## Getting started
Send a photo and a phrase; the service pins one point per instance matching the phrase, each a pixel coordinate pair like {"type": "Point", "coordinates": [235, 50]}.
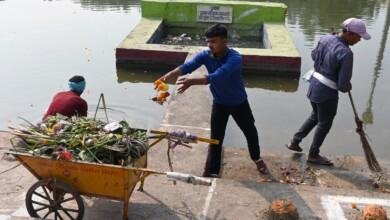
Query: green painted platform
{"type": "Point", "coordinates": [266, 20]}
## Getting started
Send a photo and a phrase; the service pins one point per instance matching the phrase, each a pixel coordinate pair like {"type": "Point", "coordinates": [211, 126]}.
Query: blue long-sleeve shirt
{"type": "Point", "coordinates": [224, 76]}
{"type": "Point", "coordinates": [333, 59]}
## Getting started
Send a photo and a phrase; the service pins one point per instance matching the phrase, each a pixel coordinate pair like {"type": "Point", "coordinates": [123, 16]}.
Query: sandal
{"type": "Point", "coordinates": [294, 147]}
{"type": "Point", "coordinates": [320, 160]}
{"type": "Point", "coordinates": [261, 166]}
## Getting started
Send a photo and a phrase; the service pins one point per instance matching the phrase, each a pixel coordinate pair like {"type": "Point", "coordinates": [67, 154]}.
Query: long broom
{"type": "Point", "coordinates": [370, 156]}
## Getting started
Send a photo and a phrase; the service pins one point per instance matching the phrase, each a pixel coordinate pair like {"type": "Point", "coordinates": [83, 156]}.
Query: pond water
{"type": "Point", "coordinates": [44, 43]}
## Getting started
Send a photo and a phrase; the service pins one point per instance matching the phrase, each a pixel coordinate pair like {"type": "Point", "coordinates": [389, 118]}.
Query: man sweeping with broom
{"type": "Point", "coordinates": [333, 62]}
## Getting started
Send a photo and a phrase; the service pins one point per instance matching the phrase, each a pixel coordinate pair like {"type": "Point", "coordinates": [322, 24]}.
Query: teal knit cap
{"type": "Point", "coordinates": [77, 84]}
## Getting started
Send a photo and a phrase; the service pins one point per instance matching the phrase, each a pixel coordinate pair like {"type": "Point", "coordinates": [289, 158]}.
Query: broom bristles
{"type": "Point", "coordinates": [369, 154]}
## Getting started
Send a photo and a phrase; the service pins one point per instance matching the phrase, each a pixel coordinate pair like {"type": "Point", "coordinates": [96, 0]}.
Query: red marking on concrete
{"type": "Point", "coordinates": [276, 63]}
{"type": "Point", "coordinates": [272, 63]}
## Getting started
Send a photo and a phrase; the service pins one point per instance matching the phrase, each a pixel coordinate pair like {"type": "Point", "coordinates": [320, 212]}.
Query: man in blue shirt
{"type": "Point", "coordinates": [333, 62]}
{"type": "Point", "coordinates": [224, 66]}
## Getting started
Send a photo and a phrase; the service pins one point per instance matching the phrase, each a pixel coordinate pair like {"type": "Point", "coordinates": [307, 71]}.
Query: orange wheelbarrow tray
{"type": "Point", "coordinates": [57, 194]}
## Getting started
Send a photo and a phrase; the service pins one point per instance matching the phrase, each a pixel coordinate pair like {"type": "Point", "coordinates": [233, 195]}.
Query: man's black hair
{"type": "Point", "coordinates": [217, 30]}
{"type": "Point", "coordinates": [76, 79]}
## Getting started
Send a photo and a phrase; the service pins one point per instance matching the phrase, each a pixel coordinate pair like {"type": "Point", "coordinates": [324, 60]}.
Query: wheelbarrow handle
{"type": "Point", "coordinates": [187, 178]}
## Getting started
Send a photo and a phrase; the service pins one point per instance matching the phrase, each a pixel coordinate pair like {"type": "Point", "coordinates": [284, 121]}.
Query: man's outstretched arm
{"type": "Point", "coordinates": [171, 75]}
{"type": "Point", "coordinates": [185, 82]}
{"type": "Point", "coordinates": [186, 68]}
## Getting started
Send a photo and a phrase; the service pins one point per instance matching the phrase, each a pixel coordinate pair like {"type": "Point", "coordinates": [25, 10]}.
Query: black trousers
{"type": "Point", "coordinates": [322, 116]}
{"type": "Point", "coordinates": [242, 115]}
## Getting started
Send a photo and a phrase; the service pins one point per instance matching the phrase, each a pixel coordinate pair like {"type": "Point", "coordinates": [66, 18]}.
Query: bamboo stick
{"type": "Point", "coordinates": [206, 140]}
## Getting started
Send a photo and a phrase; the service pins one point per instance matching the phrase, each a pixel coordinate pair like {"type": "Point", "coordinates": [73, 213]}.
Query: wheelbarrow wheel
{"type": "Point", "coordinates": [54, 199]}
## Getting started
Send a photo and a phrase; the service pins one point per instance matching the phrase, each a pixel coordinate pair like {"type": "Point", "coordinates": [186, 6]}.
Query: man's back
{"type": "Point", "coordinates": [333, 59]}
{"type": "Point", "coordinates": [67, 103]}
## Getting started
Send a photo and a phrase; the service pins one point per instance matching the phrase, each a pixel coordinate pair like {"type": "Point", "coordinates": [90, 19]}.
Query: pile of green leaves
{"type": "Point", "coordinates": [85, 139]}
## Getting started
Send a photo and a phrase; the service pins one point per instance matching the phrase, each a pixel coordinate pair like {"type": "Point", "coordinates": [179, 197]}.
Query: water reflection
{"type": "Point", "coordinates": [318, 16]}
{"type": "Point", "coordinates": [269, 82]}
{"type": "Point", "coordinates": [149, 73]}
{"type": "Point", "coordinates": [104, 5]}
{"type": "Point", "coordinates": [367, 115]}
{"type": "Point", "coordinates": [138, 73]}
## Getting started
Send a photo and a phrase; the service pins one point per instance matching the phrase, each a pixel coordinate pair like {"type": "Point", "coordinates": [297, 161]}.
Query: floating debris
{"type": "Point", "coordinates": [180, 39]}
{"type": "Point", "coordinates": [192, 39]}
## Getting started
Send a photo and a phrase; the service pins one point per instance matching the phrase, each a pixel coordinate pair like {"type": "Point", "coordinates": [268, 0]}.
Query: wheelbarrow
{"type": "Point", "coordinates": [57, 193]}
